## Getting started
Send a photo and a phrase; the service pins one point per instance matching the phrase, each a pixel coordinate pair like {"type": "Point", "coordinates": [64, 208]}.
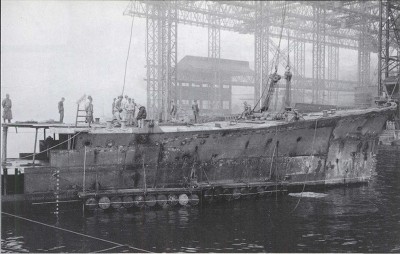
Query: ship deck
{"type": "Point", "coordinates": [22, 164]}
{"type": "Point", "coordinates": [101, 128]}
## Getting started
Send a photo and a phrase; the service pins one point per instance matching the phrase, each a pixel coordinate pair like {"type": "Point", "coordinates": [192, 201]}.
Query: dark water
{"type": "Point", "coordinates": [356, 219]}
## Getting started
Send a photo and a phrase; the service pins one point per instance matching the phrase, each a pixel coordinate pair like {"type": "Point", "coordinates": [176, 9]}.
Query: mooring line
{"type": "Point", "coordinates": [111, 248]}
{"type": "Point", "coordinates": [77, 233]}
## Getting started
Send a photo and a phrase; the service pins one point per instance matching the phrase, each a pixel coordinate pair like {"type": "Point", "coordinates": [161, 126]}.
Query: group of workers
{"type": "Point", "coordinates": [7, 113]}
{"type": "Point", "coordinates": [124, 109]}
{"type": "Point", "coordinates": [88, 108]}
{"type": "Point", "coordinates": [195, 109]}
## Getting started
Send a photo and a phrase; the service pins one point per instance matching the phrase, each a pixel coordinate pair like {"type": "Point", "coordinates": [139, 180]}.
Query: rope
{"type": "Point", "coordinates": [127, 57]}
{"type": "Point", "coordinates": [73, 232]}
{"type": "Point", "coordinates": [84, 178]}
{"type": "Point", "coordinates": [398, 79]}
{"type": "Point", "coordinates": [54, 146]}
{"type": "Point", "coordinates": [312, 160]}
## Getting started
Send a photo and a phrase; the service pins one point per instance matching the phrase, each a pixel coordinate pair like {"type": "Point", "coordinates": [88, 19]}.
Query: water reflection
{"type": "Point", "coordinates": [357, 219]}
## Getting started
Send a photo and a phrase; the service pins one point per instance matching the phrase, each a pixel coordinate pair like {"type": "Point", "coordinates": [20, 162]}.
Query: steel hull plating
{"type": "Point", "coordinates": [330, 150]}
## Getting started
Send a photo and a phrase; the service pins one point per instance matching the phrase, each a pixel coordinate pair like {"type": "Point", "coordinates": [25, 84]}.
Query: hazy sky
{"type": "Point", "coordinates": [54, 49]}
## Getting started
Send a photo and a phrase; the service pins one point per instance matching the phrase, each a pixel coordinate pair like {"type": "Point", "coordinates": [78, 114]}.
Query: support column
{"type": "Point", "coordinates": [4, 160]}
{"type": "Point", "coordinates": [298, 66]}
{"type": "Point", "coordinates": [152, 59]}
{"type": "Point", "coordinates": [261, 53]}
{"type": "Point", "coordinates": [4, 147]}
{"type": "Point", "coordinates": [161, 57]}
{"type": "Point", "coordinates": [172, 58]}
{"type": "Point", "coordinates": [389, 62]}
{"type": "Point", "coordinates": [214, 53]}
{"type": "Point", "coordinates": [364, 56]}
{"type": "Point", "coordinates": [318, 52]}
{"type": "Point", "coordinates": [333, 72]}
{"type": "Point", "coordinates": [34, 148]}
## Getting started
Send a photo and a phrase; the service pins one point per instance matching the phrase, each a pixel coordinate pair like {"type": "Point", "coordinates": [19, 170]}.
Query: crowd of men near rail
{"type": "Point", "coordinates": [123, 109]}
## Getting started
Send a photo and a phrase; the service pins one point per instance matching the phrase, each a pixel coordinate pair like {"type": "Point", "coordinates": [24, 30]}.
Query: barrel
{"type": "Point", "coordinates": [162, 200]}
{"type": "Point", "coordinates": [139, 201]}
{"type": "Point", "coordinates": [150, 200]}
{"type": "Point", "coordinates": [172, 200]}
{"type": "Point", "coordinates": [183, 199]}
{"type": "Point", "coordinates": [194, 199]}
{"type": "Point", "coordinates": [127, 201]}
{"type": "Point", "coordinates": [116, 202]}
{"type": "Point", "coordinates": [104, 203]}
{"type": "Point", "coordinates": [91, 203]}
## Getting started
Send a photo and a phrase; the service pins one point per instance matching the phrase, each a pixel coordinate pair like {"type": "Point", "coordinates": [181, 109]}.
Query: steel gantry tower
{"type": "Point", "coordinates": [261, 51]}
{"type": "Point", "coordinates": [326, 26]}
{"type": "Point", "coordinates": [389, 46]}
{"type": "Point", "coordinates": [332, 73]}
{"type": "Point", "coordinates": [318, 53]}
{"type": "Point", "coordinates": [161, 56]}
{"type": "Point", "coordinates": [214, 53]}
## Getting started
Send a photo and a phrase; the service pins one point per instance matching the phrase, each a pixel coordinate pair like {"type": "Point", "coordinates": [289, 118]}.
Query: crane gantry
{"type": "Point", "coordinates": [327, 25]}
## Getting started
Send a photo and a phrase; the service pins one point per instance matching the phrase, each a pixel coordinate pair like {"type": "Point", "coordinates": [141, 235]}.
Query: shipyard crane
{"type": "Point", "coordinates": [274, 79]}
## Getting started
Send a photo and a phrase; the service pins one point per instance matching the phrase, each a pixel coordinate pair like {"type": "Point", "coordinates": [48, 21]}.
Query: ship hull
{"type": "Point", "coordinates": [323, 151]}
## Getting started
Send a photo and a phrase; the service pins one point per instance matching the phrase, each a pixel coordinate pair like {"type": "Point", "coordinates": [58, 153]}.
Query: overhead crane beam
{"type": "Point", "coordinates": [241, 19]}
{"type": "Point", "coordinates": [322, 28]}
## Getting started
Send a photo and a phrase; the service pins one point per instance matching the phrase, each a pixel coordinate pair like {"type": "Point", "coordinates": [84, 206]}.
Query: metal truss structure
{"type": "Point", "coordinates": [389, 46]}
{"type": "Point", "coordinates": [318, 53]}
{"type": "Point", "coordinates": [261, 51]}
{"type": "Point", "coordinates": [214, 52]}
{"type": "Point", "coordinates": [327, 25]}
{"type": "Point", "coordinates": [161, 56]}
{"type": "Point", "coordinates": [333, 73]}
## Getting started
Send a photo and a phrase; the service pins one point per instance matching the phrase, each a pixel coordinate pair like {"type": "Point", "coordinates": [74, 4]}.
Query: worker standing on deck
{"type": "Point", "coordinates": [7, 104]}
{"type": "Point", "coordinates": [118, 103]}
{"type": "Point", "coordinates": [130, 111]}
{"type": "Point", "coordinates": [118, 110]}
{"type": "Point", "coordinates": [89, 110]}
{"type": "Point", "coordinates": [245, 110]}
{"type": "Point", "coordinates": [196, 110]}
{"type": "Point", "coordinates": [134, 112]}
{"type": "Point", "coordinates": [113, 106]}
{"type": "Point", "coordinates": [141, 116]}
{"type": "Point", "coordinates": [61, 109]}
{"type": "Point", "coordinates": [124, 107]}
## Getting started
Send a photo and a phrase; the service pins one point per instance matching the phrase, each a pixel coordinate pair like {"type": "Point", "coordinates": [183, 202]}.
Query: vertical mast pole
{"type": "Point", "coordinates": [34, 148]}
{"type": "Point", "coordinates": [380, 49]}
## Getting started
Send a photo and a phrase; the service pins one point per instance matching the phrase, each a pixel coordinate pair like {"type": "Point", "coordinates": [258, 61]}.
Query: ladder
{"type": "Point", "coordinates": [80, 113]}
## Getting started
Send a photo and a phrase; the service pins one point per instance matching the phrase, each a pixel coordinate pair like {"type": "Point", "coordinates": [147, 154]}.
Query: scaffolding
{"type": "Point", "coordinates": [327, 25]}
{"type": "Point", "coordinates": [389, 46]}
